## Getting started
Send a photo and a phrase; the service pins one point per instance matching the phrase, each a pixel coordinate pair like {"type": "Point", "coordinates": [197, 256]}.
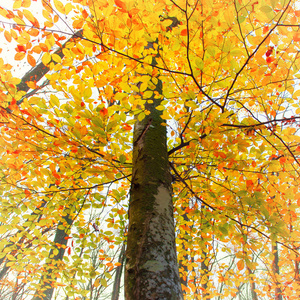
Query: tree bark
{"type": "Point", "coordinates": [59, 243]}
{"type": "Point", "coordinates": [252, 285]}
{"type": "Point", "coordinates": [118, 276]}
{"type": "Point", "coordinates": [151, 261]}
{"type": "Point", "coordinates": [275, 269]}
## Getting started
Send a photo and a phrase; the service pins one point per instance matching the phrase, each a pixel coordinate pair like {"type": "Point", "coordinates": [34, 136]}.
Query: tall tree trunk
{"type": "Point", "coordinates": [151, 261]}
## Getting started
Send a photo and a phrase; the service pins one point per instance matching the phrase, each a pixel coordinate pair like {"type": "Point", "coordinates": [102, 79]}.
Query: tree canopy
{"type": "Point", "coordinates": [85, 89]}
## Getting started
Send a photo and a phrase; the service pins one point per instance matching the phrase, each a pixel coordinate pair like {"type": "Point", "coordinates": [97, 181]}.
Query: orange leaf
{"type": "Point", "coordinates": [296, 37]}
{"type": "Point", "coordinates": [121, 4]}
{"type": "Point", "coordinates": [126, 127]}
{"type": "Point", "coordinates": [240, 265]}
{"type": "Point", "coordinates": [33, 32]}
{"type": "Point", "coordinates": [249, 183]}
{"type": "Point", "coordinates": [183, 32]}
{"type": "Point", "coordinates": [266, 29]}
{"type": "Point", "coordinates": [85, 14]}
{"type": "Point", "coordinates": [77, 24]}
{"type": "Point", "coordinates": [19, 56]}
{"type": "Point", "coordinates": [282, 160]}
{"type": "Point", "coordinates": [7, 36]}
{"type": "Point", "coordinates": [31, 60]}
{"type": "Point", "coordinates": [103, 111]}
{"type": "Point", "coordinates": [37, 49]}
{"type": "Point", "coordinates": [44, 47]}
{"type": "Point", "coordinates": [21, 48]}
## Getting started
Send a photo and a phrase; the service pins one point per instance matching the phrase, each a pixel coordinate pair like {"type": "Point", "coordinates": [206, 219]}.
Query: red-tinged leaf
{"type": "Point", "coordinates": [103, 111]}
{"type": "Point", "coordinates": [10, 14]}
{"type": "Point", "coordinates": [69, 250]}
{"type": "Point", "coordinates": [85, 14]}
{"type": "Point", "coordinates": [282, 160]}
{"type": "Point", "coordinates": [269, 52]}
{"type": "Point", "coordinates": [31, 60]}
{"type": "Point", "coordinates": [184, 32]}
{"type": "Point", "coordinates": [266, 29]}
{"type": "Point", "coordinates": [126, 127]}
{"type": "Point", "coordinates": [185, 227]}
{"type": "Point", "coordinates": [27, 193]}
{"type": "Point", "coordinates": [121, 4]}
{"type": "Point", "coordinates": [249, 183]}
{"type": "Point", "coordinates": [21, 48]}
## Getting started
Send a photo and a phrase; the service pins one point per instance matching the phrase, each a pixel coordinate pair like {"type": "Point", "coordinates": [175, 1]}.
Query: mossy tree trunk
{"type": "Point", "coordinates": [151, 260]}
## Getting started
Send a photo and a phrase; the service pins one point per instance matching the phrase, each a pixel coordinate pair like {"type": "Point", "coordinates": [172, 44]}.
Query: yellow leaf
{"type": "Point", "coordinates": [28, 15]}
{"type": "Point", "coordinates": [17, 4]}
{"type": "Point", "coordinates": [147, 94]}
{"type": "Point", "coordinates": [296, 94]}
{"type": "Point", "coordinates": [68, 8]}
{"type": "Point", "coordinates": [56, 58]}
{"type": "Point", "coordinates": [46, 59]}
{"type": "Point", "coordinates": [103, 282]}
{"type": "Point", "coordinates": [97, 283]}
{"type": "Point", "coordinates": [141, 116]}
{"type": "Point", "coordinates": [59, 6]}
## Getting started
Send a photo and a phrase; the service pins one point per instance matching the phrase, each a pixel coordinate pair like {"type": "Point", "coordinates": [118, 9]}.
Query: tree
{"type": "Point", "coordinates": [190, 108]}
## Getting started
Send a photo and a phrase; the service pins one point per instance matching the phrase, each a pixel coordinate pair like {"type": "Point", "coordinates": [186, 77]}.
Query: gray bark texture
{"type": "Point", "coordinates": [151, 262]}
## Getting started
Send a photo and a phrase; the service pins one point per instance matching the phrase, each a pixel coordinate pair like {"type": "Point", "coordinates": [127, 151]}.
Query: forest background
{"type": "Point", "coordinates": [187, 108]}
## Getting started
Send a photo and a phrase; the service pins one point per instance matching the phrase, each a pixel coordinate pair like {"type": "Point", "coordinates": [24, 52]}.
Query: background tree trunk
{"type": "Point", "coordinates": [55, 257]}
{"type": "Point", "coordinates": [275, 267]}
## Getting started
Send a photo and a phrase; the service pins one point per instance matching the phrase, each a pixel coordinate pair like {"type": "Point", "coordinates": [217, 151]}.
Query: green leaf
{"type": "Point", "coordinates": [122, 158]}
